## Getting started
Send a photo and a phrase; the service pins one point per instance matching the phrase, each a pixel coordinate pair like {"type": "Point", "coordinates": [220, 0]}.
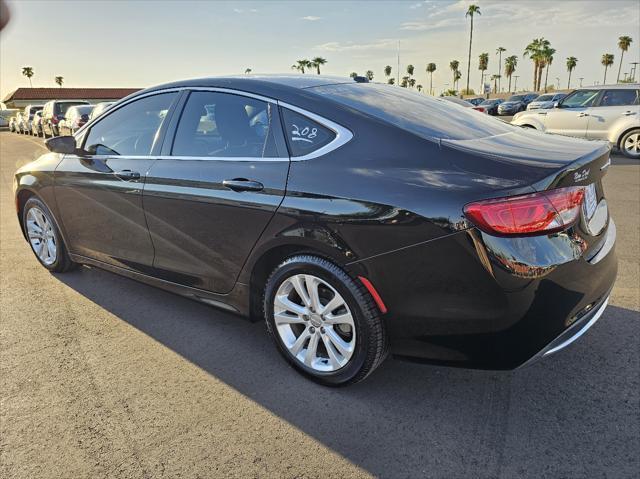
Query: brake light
{"type": "Point", "coordinates": [55, 119]}
{"type": "Point", "coordinates": [539, 213]}
{"type": "Point", "coordinates": [479, 108]}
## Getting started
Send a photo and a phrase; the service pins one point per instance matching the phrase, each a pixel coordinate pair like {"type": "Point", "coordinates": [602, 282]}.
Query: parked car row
{"type": "Point", "coordinates": [56, 117]}
{"type": "Point", "coordinates": [609, 112]}
{"type": "Point", "coordinates": [516, 103]}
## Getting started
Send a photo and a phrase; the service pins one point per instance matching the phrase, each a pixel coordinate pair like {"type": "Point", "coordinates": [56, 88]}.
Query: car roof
{"type": "Point", "coordinates": [294, 81]}
{"type": "Point", "coordinates": [618, 86]}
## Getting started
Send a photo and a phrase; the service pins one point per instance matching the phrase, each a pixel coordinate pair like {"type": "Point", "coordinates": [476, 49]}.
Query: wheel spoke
{"type": "Point", "coordinates": [344, 318]}
{"type": "Point", "coordinates": [299, 342]}
{"type": "Point", "coordinates": [312, 349]}
{"type": "Point", "coordinates": [312, 289]}
{"type": "Point", "coordinates": [284, 318]}
{"type": "Point", "coordinates": [342, 347]}
{"type": "Point", "coordinates": [296, 281]}
{"type": "Point", "coordinates": [288, 305]}
{"type": "Point", "coordinates": [331, 351]}
{"type": "Point", "coordinates": [51, 249]}
{"type": "Point", "coordinates": [43, 253]}
{"type": "Point", "coordinates": [333, 304]}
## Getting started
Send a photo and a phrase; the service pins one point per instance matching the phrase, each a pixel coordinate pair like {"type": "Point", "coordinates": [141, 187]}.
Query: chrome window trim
{"type": "Point", "coordinates": [343, 135]}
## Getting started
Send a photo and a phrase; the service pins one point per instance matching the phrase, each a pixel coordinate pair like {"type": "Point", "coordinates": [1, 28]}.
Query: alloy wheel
{"type": "Point", "coordinates": [632, 144]}
{"type": "Point", "coordinates": [42, 236]}
{"type": "Point", "coordinates": [314, 323]}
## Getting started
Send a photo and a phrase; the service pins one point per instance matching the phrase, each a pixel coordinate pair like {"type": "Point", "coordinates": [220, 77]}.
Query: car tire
{"type": "Point", "coordinates": [630, 144]}
{"type": "Point", "coordinates": [40, 227]}
{"type": "Point", "coordinates": [349, 341]}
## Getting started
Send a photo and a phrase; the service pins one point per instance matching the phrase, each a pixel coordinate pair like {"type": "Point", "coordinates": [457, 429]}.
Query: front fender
{"type": "Point", "coordinates": [622, 126]}
{"type": "Point", "coordinates": [526, 119]}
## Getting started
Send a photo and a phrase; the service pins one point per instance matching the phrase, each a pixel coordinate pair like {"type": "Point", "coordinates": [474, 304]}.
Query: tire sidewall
{"type": "Point", "coordinates": [60, 249]}
{"type": "Point", "coordinates": [298, 266]}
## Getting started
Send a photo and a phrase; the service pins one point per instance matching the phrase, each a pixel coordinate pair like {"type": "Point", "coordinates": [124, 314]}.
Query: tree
{"type": "Point", "coordinates": [419, 87]}
{"type": "Point", "coordinates": [59, 81]}
{"type": "Point", "coordinates": [387, 71]}
{"type": "Point", "coordinates": [353, 74]}
{"type": "Point", "coordinates": [431, 67]}
{"type": "Point", "coordinates": [28, 72]}
{"type": "Point", "coordinates": [623, 44]}
{"type": "Point", "coordinates": [535, 52]}
{"type": "Point", "coordinates": [453, 65]}
{"type": "Point", "coordinates": [456, 79]}
{"type": "Point", "coordinates": [317, 62]}
{"type": "Point", "coordinates": [483, 64]}
{"type": "Point", "coordinates": [571, 64]}
{"type": "Point", "coordinates": [247, 71]}
{"type": "Point", "coordinates": [405, 82]}
{"type": "Point", "coordinates": [471, 11]}
{"type": "Point", "coordinates": [607, 61]}
{"type": "Point", "coordinates": [410, 70]}
{"type": "Point", "coordinates": [391, 81]}
{"type": "Point", "coordinates": [301, 65]}
{"type": "Point", "coordinates": [369, 75]}
{"type": "Point", "coordinates": [499, 53]}
{"type": "Point", "coordinates": [495, 82]}
{"type": "Point", "coordinates": [412, 82]}
{"type": "Point", "coordinates": [510, 64]}
{"type": "Point", "coordinates": [547, 54]}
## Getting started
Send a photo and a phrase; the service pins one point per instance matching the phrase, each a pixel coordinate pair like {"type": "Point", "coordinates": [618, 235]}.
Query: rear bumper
{"type": "Point", "coordinates": [470, 300]}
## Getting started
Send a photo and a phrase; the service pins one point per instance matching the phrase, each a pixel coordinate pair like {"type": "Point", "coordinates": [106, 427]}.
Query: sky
{"type": "Point", "coordinates": [140, 43]}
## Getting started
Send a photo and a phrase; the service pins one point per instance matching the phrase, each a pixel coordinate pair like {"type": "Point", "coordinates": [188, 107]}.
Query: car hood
{"type": "Point", "coordinates": [525, 156]}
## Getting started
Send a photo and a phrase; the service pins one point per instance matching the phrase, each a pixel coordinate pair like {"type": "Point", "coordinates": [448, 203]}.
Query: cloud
{"type": "Point", "coordinates": [311, 18]}
{"type": "Point", "coordinates": [250, 10]}
{"type": "Point", "coordinates": [383, 44]}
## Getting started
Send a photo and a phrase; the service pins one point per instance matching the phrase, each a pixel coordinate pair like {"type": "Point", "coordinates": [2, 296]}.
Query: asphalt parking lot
{"type": "Point", "coordinates": [101, 376]}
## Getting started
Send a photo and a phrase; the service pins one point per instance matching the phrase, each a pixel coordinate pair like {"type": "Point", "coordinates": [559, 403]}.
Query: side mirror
{"type": "Point", "coordinates": [556, 104]}
{"type": "Point", "coordinates": [61, 144]}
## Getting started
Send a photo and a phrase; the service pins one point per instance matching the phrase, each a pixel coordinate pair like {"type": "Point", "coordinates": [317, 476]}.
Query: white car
{"type": "Point", "coordinates": [545, 101]}
{"type": "Point", "coordinates": [608, 112]}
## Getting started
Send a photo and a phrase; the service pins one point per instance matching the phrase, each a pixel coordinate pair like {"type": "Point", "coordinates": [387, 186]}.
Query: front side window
{"type": "Point", "coordinates": [130, 130]}
{"type": "Point", "coordinates": [225, 125]}
{"type": "Point", "coordinates": [619, 98]}
{"type": "Point", "coordinates": [303, 134]}
{"type": "Point", "coordinates": [580, 99]}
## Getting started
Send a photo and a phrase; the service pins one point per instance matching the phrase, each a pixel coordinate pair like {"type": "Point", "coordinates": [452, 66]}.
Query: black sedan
{"type": "Point", "coordinates": [356, 219]}
{"type": "Point", "coordinates": [516, 103]}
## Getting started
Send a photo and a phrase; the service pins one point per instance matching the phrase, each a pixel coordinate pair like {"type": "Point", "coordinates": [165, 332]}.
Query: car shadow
{"type": "Point", "coordinates": [571, 415]}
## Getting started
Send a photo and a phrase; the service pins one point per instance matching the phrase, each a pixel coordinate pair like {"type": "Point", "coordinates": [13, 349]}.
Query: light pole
{"type": "Point", "coordinates": [581, 78]}
{"type": "Point", "coordinates": [515, 85]}
{"type": "Point", "coordinates": [558, 80]}
{"type": "Point", "coordinates": [633, 71]}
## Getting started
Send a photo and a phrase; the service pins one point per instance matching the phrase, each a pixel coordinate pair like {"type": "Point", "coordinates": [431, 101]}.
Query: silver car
{"type": "Point", "coordinates": [606, 112]}
{"type": "Point", "coordinates": [548, 100]}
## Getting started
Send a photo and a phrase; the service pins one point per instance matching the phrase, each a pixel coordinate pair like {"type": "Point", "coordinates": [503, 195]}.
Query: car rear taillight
{"type": "Point", "coordinates": [56, 118]}
{"type": "Point", "coordinates": [479, 108]}
{"type": "Point", "coordinates": [539, 213]}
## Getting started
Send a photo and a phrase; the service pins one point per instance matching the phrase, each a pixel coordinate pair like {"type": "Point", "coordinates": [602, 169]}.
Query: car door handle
{"type": "Point", "coordinates": [580, 115]}
{"type": "Point", "coordinates": [242, 184]}
{"type": "Point", "coordinates": [542, 113]}
{"type": "Point", "coordinates": [629, 113]}
{"type": "Point", "coordinates": [127, 175]}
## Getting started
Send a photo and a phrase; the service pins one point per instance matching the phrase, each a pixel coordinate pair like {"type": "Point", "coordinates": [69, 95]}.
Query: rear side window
{"type": "Point", "coordinates": [619, 98]}
{"type": "Point", "coordinates": [304, 135]}
{"type": "Point", "coordinates": [425, 116]}
{"type": "Point", "coordinates": [131, 129]}
{"type": "Point", "coordinates": [225, 125]}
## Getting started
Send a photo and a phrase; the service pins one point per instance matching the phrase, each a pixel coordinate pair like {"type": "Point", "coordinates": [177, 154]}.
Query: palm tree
{"type": "Point", "coordinates": [247, 71]}
{"type": "Point", "coordinates": [571, 64]}
{"type": "Point", "coordinates": [454, 64]}
{"type": "Point", "coordinates": [495, 82]}
{"type": "Point", "coordinates": [369, 75]}
{"type": "Point", "coordinates": [405, 82]}
{"type": "Point", "coordinates": [59, 81]}
{"type": "Point", "coordinates": [391, 81]}
{"type": "Point", "coordinates": [410, 69]}
{"type": "Point", "coordinates": [419, 87]}
{"type": "Point", "coordinates": [412, 82]}
{"type": "Point", "coordinates": [547, 53]}
{"type": "Point", "coordinates": [471, 11]}
{"type": "Point", "coordinates": [317, 62]}
{"type": "Point", "coordinates": [387, 71]}
{"type": "Point", "coordinates": [623, 44]}
{"type": "Point", "coordinates": [535, 51]}
{"type": "Point", "coordinates": [510, 64]}
{"type": "Point", "coordinates": [28, 72]}
{"type": "Point", "coordinates": [431, 67]}
{"type": "Point", "coordinates": [456, 79]}
{"type": "Point", "coordinates": [301, 65]}
{"type": "Point", "coordinates": [353, 74]}
{"type": "Point", "coordinates": [483, 64]}
{"type": "Point", "coordinates": [607, 61]}
{"type": "Point", "coordinates": [499, 53]}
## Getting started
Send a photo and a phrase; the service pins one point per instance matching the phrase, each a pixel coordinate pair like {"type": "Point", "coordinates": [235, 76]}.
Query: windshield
{"type": "Point", "coordinates": [425, 116]}
{"type": "Point", "coordinates": [489, 102]}
{"type": "Point", "coordinates": [544, 98]}
{"type": "Point", "coordinates": [516, 98]}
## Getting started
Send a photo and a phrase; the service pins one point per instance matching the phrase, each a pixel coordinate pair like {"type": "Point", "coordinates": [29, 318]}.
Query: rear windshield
{"type": "Point", "coordinates": [516, 98]}
{"type": "Point", "coordinates": [423, 115]}
{"type": "Point", "coordinates": [84, 110]}
{"type": "Point", "coordinates": [61, 108]}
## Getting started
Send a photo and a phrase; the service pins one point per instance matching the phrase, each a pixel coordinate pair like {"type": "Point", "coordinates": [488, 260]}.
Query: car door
{"type": "Point", "coordinates": [571, 117]}
{"type": "Point", "coordinates": [614, 106]}
{"type": "Point", "coordinates": [99, 190]}
{"type": "Point", "coordinates": [216, 187]}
